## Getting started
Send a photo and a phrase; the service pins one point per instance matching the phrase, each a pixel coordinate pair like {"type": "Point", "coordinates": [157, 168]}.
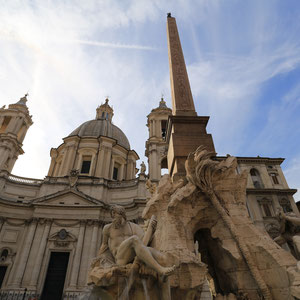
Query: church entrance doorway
{"type": "Point", "coordinates": [56, 275]}
{"type": "Point", "coordinates": [2, 274]}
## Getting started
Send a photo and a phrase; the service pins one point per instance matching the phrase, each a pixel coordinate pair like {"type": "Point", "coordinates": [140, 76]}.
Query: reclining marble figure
{"type": "Point", "coordinates": [124, 240]}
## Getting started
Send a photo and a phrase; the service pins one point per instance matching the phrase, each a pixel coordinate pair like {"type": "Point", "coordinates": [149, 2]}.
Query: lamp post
{"type": "Point", "coordinates": [24, 294]}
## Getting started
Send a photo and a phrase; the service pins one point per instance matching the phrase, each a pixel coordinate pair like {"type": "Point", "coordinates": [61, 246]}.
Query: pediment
{"type": "Point", "coordinates": [67, 198]}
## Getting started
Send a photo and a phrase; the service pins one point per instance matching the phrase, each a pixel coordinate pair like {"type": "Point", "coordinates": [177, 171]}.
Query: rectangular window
{"type": "Point", "coordinates": [5, 124]}
{"type": "Point", "coordinates": [86, 165]}
{"type": "Point", "coordinates": [115, 174]}
{"type": "Point", "coordinates": [274, 178]}
{"type": "Point", "coordinates": [267, 210]}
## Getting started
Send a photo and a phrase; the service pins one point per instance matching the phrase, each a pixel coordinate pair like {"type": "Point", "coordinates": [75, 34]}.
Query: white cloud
{"type": "Point", "coordinates": [71, 54]}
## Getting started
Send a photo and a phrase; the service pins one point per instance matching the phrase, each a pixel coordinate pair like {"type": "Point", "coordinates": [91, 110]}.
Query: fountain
{"type": "Point", "coordinates": [186, 222]}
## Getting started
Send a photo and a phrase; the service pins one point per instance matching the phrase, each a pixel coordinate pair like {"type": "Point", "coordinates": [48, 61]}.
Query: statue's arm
{"type": "Point", "coordinates": [150, 230]}
{"type": "Point", "coordinates": [293, 220]}
{"type": "Point", "coordinates": [105, 236]}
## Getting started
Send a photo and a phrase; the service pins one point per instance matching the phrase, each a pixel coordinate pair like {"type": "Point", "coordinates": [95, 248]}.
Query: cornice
{"type": "Point", "coordinates": [261, 160]}
{"type": "Point", "coordinates": [270, 191]}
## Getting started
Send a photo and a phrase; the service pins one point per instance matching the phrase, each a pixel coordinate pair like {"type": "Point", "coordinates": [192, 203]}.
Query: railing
{"type": "Point", "coordinates": [24, 179]}
{"type": "Point", "coordinates": [125, 183]}
{"type": "Point", "coordinates": [18, 295]}
{"type": "Point", "coordinates": [72, 295]}
{"type": "Point", "coordinates": [32, 295]}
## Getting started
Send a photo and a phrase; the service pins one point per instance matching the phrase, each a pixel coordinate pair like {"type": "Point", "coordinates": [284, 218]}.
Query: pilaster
{"type": "Point", "coordinates": [40, 255]}
{"type": "Point", "coordinates": [19, 271]}
{"type": "Point", "coordinates": [77, 256]}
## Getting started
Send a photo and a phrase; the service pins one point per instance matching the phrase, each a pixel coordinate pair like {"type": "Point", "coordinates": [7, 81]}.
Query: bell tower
{"type": "Point", "coordinates": [156, 146]}
{"type": "Point", "coordinates": [186, 131]}
{"type": "Point", "coordinates": [14, 123]}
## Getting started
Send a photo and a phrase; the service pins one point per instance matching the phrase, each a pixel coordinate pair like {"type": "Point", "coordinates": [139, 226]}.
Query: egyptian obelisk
{"type": "Point", "coordinates": [186, 130]}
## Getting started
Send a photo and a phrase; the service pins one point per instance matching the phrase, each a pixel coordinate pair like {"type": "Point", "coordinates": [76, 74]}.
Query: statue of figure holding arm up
{"type": "Point", "coordinates": [289, 233]}
{"type": "Point", "coordinates": [124, 239]}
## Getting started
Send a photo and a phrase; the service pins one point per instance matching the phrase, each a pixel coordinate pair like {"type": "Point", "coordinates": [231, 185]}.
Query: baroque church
{"type": "Point", "coordinates": [51, 228]}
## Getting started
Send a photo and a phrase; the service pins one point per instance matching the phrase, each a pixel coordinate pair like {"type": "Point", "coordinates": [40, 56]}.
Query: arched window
{"type": "Point", "coordinates": [164, 166]}
{"type": "Point", "coordinates": [4, 255]}
{"type": "Point", "coordinates": [5, 124]}
{"type": "Point", "coordinates": [163, 128]}
{"type": "Point", "coordinates": [256, 178]}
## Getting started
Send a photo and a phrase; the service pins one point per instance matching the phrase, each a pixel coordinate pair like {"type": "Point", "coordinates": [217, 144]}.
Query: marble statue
{"type": "Point", "coordinates": [143, 168]}
{"type": "Point", "coordinates": [151, 187]}
{"type": "Point", "coordinates": [124, 252]}
{"type": "Point", "coordinates": [289, 233]}
{"type": "Point", "coordinates": [124, 241]}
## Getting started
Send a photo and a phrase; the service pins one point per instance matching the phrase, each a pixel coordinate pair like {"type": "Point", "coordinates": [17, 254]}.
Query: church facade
{"type": "Point", "coordinates": [50, 229]}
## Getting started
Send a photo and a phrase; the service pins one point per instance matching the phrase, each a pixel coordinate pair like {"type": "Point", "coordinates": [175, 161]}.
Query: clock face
{"type": "Point", "coordinates": [63, 234]}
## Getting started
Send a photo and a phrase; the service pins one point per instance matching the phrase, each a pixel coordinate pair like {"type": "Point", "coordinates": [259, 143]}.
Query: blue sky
{"type": "Point", "coordinates": [243, 60]}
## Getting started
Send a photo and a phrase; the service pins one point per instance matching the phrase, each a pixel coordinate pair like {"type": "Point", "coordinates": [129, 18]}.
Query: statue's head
{"type": "Point", "coordinates": [118, 210]}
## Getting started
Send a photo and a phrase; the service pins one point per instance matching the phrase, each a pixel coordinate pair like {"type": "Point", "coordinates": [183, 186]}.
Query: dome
{"type": "Point", "coordinates": [102, 127]}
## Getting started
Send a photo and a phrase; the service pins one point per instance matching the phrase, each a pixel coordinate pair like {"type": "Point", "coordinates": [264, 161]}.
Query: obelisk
{"type": "Point", "coordinates": [186, 131]}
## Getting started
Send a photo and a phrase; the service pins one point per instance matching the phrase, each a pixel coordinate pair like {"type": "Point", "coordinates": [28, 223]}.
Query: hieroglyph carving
{"type": "Point", "coordinates": [180, 79]}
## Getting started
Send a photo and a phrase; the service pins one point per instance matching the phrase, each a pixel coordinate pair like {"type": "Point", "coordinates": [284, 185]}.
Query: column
{"type": "Point", "coordinates": [151, 128]}
{"type": "Point", "coordinates": [1, 121]}
{"type": "Point", "coordinates": [121, 176]}
{"type": "Point", "coordinates": [61, 168]}
{"type": "Point", "coordinates": [159, 129]}
{"type": "Point", "coordinates": [2, 220]}
{"type": "Point", "coordinates": [107, 162]}
{"type": "Point", "coordinates": [99, 167]}
{"type": "Point", "coordinates": [77, 256]}
{"type": "Point", "coordinates": [11, 125]}
{"type": "Point", "coordinates": [65, 162]}
{"type": "Point", "coordinates": [110, 176]}
{"type": "Point", "coordinates": [24, 254]}
{"type": "Point", "coordinates": [91, 252]}
{"type": "Point", "coordinates": [158, 132]}
{"type": "Point", "coordinates": [18, 125]}
{"type": "Point", "coordinates": [93, 247]}
{"type": "Point", "coordinates": [52, 164]}
{"type": "Point", "coordinates": [129, 173]}
{"type": "Point", "coordinates": [99, 240]}
{"type": "Point", "coordinates": [20, 133]}
{"type": "Point", "coordinates": [4, 156]}
{"type": "Point", "coordinates": [40, 255]}
{"type": "Point", "coordinates": [22, 136]}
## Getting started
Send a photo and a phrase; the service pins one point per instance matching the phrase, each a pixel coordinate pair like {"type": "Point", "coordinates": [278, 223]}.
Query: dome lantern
{"type": "Point", "coordinates": [104, 111]}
